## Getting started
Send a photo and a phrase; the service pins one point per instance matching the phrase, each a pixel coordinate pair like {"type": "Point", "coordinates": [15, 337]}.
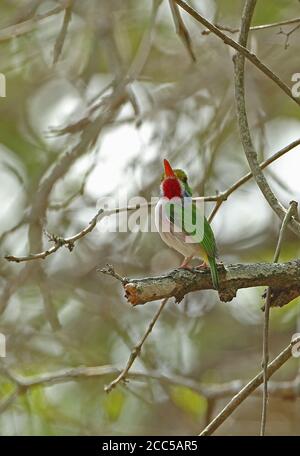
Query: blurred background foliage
{"type": "Point", "coordinates": [61, 312]}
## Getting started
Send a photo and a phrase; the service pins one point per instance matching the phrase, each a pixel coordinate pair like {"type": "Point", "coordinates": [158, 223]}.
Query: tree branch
{"type": "Point", "coordinates": [288, 34]}
{"type": "Point", "coordinates": [255, 27]}
{"type": "Point", "coordinates": [219, 198]}
{"type": "Point", "coordinates": [282, 277]}
{"type": "Point", "coordinates": [58, 242]}
{"type": "Point", "coordinates": [223, 196]}
{"type": "Point", "coordinates": [136, 350]}
{"type": "Point", "coordinates": [63, 32]}
{"type": "Point", "coordinates": [285, 390]}
{"type": "Point", "coordinates": [239, 67]}
{"type": "Point", "coordinates": [27, 26]}
{"type": "Point", "coordinates": [240, 48]}
{"type": "Point", "coordinates": [181, 29]}
{"type": "Point", "coordinates": [248, 389]}
{"type": "Point", "coordinates": [292, 211]}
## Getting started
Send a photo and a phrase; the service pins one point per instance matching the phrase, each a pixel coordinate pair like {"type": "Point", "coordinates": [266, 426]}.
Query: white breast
{"type": "Point", "coordinates": [175, 240]}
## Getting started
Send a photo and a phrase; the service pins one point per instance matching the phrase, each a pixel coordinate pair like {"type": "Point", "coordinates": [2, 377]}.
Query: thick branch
{"type": "Point", "coordinates": [283, 278]}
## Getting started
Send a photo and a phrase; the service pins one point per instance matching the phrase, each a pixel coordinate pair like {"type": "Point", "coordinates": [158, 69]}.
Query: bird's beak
{"type": "Point", "coordinates": [168, 169]}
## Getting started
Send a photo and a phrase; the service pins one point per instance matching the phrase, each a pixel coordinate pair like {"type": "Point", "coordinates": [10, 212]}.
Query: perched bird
{"type": "Point", "coordinates": [191, 236]}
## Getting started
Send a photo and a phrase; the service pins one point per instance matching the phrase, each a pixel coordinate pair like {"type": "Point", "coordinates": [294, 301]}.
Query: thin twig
{"type": "Point", "coordinates": [248, 389]}
{"type": "Point", "coordinates": [111, 106]}
{"type": "Point", "coordinates": [181, 29]}
{"type": "Point", "coordinates": [63, 32]}
{"type": "Point", "coordinates": [250, 152]}
{"type": "Point", "coordinates": [223, 196]}
{"type": "Point", "coordinates": [239, 66]}
{"type": "Point", "coordinates": [240, 48]}
{"type": "Point", "coordinates": [56, 206]}
{"type": "Point", "coordinates": [218, 198]}
{"type": "Point", "coordinates": [217, 206]}
{"type": "Point", "coordinates": [7, 401]}
{"type": "Point", "coordinates": [291, 212]}
{"type": "Point", "coordinates": [13, 229]}
{"type": "Point", "coordinates": [213, 392]}
{"type": "Point", "coordinates": [110, 270]}
{"type": "Point", "coordinates": [58, 242]}
{"type": "Point", "coordinates": [27, 26]}
{"type": "Point", "coordinates": [255, 27]}
{"type": "Point", "coordinates": [145, 45]}
{"type": "Point", "coordinates": [136, 350]}
{"type": "Point", "coordinates": [287, 35]}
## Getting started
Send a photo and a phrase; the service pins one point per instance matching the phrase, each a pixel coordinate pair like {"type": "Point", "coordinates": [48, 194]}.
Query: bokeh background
{"type": "Point", "coordinates": [60, 312]}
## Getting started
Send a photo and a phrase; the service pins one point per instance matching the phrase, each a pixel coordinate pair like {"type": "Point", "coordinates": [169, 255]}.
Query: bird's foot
{"type": "Point", "coordinates": [186, 266]}
{"type": "Point", "coordinates": [202, 266]}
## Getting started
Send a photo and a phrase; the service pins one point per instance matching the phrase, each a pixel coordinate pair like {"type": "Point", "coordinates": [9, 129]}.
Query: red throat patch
{"type": "Point", "coordinates": [171, 188]}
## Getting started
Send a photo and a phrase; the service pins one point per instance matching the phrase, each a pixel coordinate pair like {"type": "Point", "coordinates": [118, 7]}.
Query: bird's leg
{"type": "Point", "coordinates": [184, 264]}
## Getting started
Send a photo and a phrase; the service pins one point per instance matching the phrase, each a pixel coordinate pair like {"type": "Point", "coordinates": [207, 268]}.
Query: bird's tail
{"type": "Point", "coordinates": [214, 272]}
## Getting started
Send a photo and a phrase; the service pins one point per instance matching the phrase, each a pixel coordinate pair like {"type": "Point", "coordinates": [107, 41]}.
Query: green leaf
{"type": "Point", "coordinates": [113, 404]}
{"type": "Point", "coordinates": [188, 400]}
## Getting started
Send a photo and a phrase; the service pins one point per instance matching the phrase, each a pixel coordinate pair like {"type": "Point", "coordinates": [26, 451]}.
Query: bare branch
{"type": "Point", "coordinates": [219, 198]}
{"type": "Point", "coordinates": [292, 211]}
{"type": "Point", "coordinates": [282, 277]}
{"type": "Point", "coordinates": [63, 32]}
{"type": "Point", "coordinates": [181, 29]}
{"type": "Point", "coordinates": [248, 389]}
{"type": "Point", "coordinates": [58, 242]}
{"type": "Point", "coordinates": [18, 225]}
{"type": "Point", "coordinates": [288, 34]}
{"type": "Point", "coordinates": [223, 196]}
{"type": "Point", "coordinates": [284, 390]}
{"type": "Point", "coordinates": [27, 26]}
{"type": "Point", "coordinates": [239, 66]}
{"type": "Point", "coordinates": [56, 206]}
{"type": "Point", "coordinates": [240, 48]}
{"type": "Point", "coordinates": [136, 350]}
{"type": "Point", "coordinates": [255, 27]}
{"type": "Point", "coordinates": [12, 286]}
{"type": "Point", "coordinates": [143, 51]}
{"type": "Point", "coordinates": [8, 400]}
{"type": "Point", "coordinates": [70, 241]}
{"type": "Point", "coordinates": [110, 270]}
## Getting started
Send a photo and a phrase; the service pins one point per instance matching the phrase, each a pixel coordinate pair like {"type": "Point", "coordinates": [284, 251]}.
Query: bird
{"type": "Point", "coordinates": [191, 235]}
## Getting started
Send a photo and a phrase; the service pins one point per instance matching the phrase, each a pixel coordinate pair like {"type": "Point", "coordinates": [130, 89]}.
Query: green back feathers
{"type": "Point", "coordinates": [181, 175]}
{"type": "Point", "coordinates": [208, 241]}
